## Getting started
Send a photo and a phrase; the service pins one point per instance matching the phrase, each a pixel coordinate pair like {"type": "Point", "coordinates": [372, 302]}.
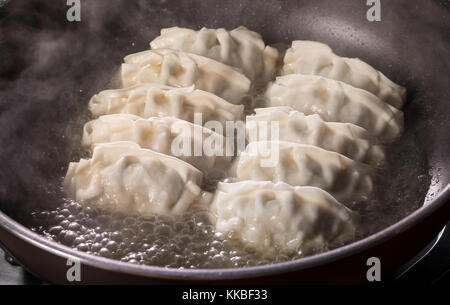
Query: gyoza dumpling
{"type": "Point", "coordinates": [305, 165]}
{"type": "Point", "coordinates": [167, 135]}
{"type": "Point", "coordinates": [348, 139]}
{"type": "Point", "coordinates": [240, 48]}
{"type": "Point", "coordinates": [311, 57]}
{"type": "Point", "coordinates": [149, 100]}
{"type": "Point", "coordinates": [122, 177]}
{"type": "Point", "coordinates": [336, 101]}
{"type": "Point", "coordinates": [176, 68]}
{"type": "Point", "coordinates": [274, 218]}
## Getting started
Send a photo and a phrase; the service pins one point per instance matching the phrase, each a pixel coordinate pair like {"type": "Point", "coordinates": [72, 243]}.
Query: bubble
{"type": "Point", "coordinates": [65, 223]}
{"type": "Point", "coordinates": [74, 226]}
{"type": "Point", "coordinates": [65, 212]}
{"type": "Point", "coordinates": [146, 227]}
{"type": "Point", "coordinates": [83, 247]}
{"type": "Point", "coordinates": [96, 247]}
{"type": "Point", "coordinates": [79, 240]}
{"type": "Point", "coordinates": [104, 252]}
{"type": "Point", "coordinates": [116, 236]}
{"type": "Point", "coordinates": [163, 230]}
{"type": "Point", "coordinates": [69, 237]}
{"type": "Point", "coordinates": [55, 230]}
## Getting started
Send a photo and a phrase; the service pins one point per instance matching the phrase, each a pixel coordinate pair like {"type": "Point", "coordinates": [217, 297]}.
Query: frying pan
{"type": "Point", "coordinates": [50, 67]}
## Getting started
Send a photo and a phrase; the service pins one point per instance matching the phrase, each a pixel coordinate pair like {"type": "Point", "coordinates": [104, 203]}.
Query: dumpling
{"type": "Point", "coordinates": [122, 177]}
{"type": "Point", "coordinates": [336, 101]}
{"type": "Point", "coordinates": [305, 165]}
{"type": "Point", "coordinates": [176, 68]}
{"type": "Point", "coordinates": [148, 100]}
{"type": "Point", "coordinates": [240, 48]}
{"type": "Point", "coordinates": [274, 218]}
{"type": "Point", "coordinates": [194, 144]}
{"type": "Point", "coordinates": [310, 57]}
{"type": "Point", "coordinates": [348, 139]}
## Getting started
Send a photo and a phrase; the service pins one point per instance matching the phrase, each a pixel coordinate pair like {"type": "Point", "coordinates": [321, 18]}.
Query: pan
{"type": "Point", "coordinates": [50, 66]}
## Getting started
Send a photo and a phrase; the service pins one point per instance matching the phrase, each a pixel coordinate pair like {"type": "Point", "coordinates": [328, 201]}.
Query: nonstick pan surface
{"type": "Point", "coordinates": [50, 67]}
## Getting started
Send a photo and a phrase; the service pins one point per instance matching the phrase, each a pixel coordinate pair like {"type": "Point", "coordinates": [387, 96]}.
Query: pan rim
{"type": "Point", "coordinates": [55, 248]}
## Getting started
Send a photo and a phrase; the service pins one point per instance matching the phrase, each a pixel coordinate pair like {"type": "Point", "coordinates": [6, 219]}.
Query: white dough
{"type": "Point", "coordinates": [240, 48]}
{"type": "Point", "coordinates": [167, 135]}
{"type": "Point", "coordinates": [348, 139]}
{"type": "Point", "coordinates": [122, 177]}
{"type": "Point", "coordinates": [280, 218]}
{"type": "Point", "coordinates": [336, 101]}
{"type": "Point", "coordinates": [310, 57]}
{"type": "Point", "coordinates": [180, 69]}
{"type": "Point", "coordinates": [305, 165]}
{"type": "Point", "coordinates": [149, 100]}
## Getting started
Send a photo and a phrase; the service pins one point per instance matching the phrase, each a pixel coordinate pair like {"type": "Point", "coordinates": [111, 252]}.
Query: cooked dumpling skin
{"type": "Point", "coordinates": [336, 101]}
{"type": "Point", "coordinates": [149, 100]}
{"type": "Point", "coordinates": [122, 177]}
{"type": "Point", "coordinates": [240, 48]}
{"type": "Point", "coordinates": [180, 69]}
{"type": "Point", "coordinates": [159, 134]}
{"type": "Point", "coordinates": [348, 139]}
{"type": "Point", "coordinates": [277, 217]}
{"type": "Point", "coordinates": [305, 165]}
{"type": "Point", "coordinates": [311, 57]}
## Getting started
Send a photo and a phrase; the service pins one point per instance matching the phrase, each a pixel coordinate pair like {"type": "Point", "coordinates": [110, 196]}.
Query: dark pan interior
{"type": "Point", "coordinates": [50, 67]}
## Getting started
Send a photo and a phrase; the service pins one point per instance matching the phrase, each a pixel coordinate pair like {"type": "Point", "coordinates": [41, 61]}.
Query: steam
{"type": "Point", "coordinates": [50, 68]}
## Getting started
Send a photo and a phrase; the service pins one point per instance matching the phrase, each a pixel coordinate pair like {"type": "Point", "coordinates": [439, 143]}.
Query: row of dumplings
{"type": "Point", "coordinates": [334, 115]}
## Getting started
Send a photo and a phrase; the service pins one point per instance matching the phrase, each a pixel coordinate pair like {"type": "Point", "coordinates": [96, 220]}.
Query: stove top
{"type": "Point", "coordinates": [431, 266]}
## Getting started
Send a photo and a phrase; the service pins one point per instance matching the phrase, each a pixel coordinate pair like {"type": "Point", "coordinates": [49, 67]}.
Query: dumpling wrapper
{"type": "Point", "coordinates": [153, 100]}
{"type": "Point", "coordinates": [166, 135]}
{"type": "Point", "coordinates": [180, 69]}
{"type": "Point", "coordinates": [240, 48]}
{"type": "Point", "coordinates": [278, 218]}
{"type": "Point", "coordinates": [348, 139]}
{"type": "Point", "coordinates": [122, 177]}
{"type": "Point", "coordinates": [305, 165]}
{"type": "Point", "coordinates": [311, 57]}
{"type": "Point", "coordinates": [336, 101]}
